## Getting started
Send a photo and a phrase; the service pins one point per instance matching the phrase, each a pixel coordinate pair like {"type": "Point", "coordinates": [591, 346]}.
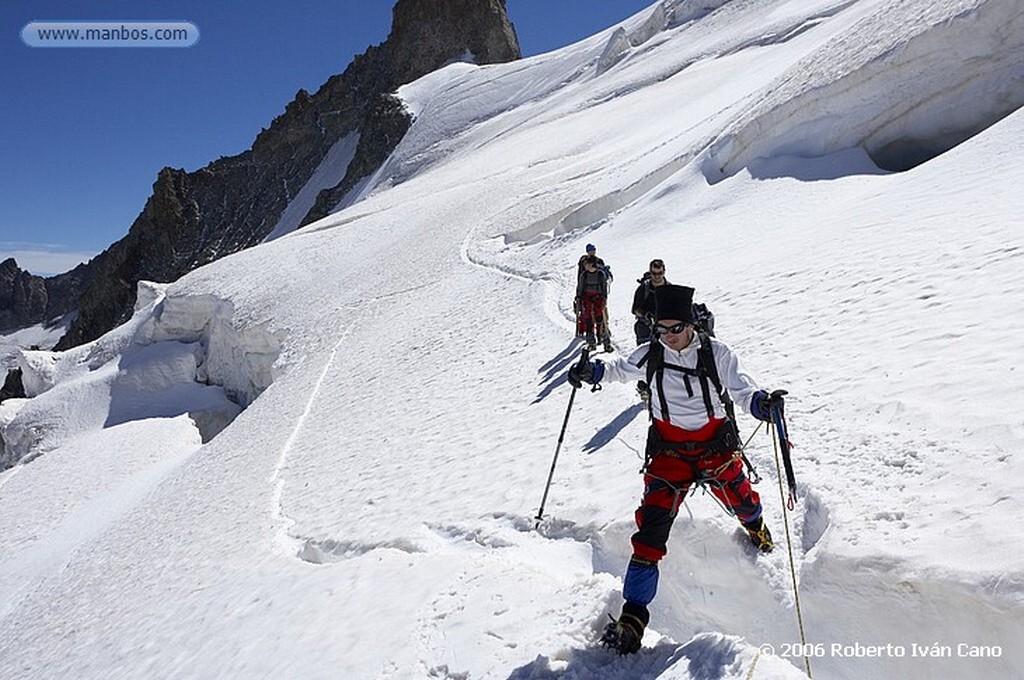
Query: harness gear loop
{"type": "Point", "coordinates": [724, 440]}
{"type": "Point", "coordinates": [702, 479]}
{"type": "Point", "coordinates": [678, 493]}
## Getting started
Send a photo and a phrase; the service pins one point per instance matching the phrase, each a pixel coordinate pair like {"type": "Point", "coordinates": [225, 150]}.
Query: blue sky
{"type": "Point", "coordinates": [85, 130]}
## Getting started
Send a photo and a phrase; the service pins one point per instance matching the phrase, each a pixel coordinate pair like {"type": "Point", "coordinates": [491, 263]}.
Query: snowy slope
{"type": "Point", "coordinates": [370, 513]}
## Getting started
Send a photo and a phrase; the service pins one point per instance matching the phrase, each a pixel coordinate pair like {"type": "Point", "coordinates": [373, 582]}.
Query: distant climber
{"type": "Point", "coordinates": [592, 301]}
{"type": "Point", "coordinates": [591, 252]}
{"type": "Point", "coordinates": [643, 311]}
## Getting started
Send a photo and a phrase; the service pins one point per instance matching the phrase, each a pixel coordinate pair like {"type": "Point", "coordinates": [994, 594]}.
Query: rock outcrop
{"type": "Point", "coordinates": [22, 296]}
{"type": "Point", "coordinates": [27, 299]}
{"type": "Point", "coordinates": [13, 387]}
{"type": "Point", "coordinates": [233, 203]}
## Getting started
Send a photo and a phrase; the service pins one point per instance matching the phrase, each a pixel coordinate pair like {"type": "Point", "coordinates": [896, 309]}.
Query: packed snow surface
{"type": "Point", "coordinates": [370, 513]}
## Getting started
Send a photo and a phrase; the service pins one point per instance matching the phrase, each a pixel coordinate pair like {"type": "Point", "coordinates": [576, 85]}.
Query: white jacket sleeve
{"type": "Point", "coordinates": [625, 369]}
{"type": "Point", "coordinates": [734, 378]}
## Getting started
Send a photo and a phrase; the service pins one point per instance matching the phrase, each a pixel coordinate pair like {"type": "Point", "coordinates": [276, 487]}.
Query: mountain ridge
{"type": "Point", "coordinates": [234, 202]}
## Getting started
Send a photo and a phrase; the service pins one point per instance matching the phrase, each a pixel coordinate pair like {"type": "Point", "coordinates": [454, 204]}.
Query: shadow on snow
{"type": "Point", "coordinates": [554, 370]}
{"type": "Point", "coordinates": [612, 429]}
{"type": "Point", "coordinates": [709, 656]}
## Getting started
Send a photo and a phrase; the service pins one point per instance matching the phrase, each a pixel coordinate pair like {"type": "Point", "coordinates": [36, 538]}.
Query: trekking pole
{"type": "Point", "coordinates": [561, 436]}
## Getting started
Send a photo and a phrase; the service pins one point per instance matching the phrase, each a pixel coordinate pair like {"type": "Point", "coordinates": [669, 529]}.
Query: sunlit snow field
{"type": "Point", "coordinates": [370, 512]}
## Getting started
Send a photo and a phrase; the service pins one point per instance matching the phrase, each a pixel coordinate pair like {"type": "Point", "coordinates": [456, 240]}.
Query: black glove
{"type": "Point", "coordinates": [586, 372]}
{"type": "Point", "coordinates": [763, 404]}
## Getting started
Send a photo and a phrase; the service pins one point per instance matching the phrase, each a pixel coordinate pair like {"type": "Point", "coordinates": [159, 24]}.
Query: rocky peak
{"type": "Point", "coordinates": [427, 33]}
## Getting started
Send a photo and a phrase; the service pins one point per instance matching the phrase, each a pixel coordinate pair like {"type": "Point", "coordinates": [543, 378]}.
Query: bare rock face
{"type": "Point", "coordinates": [22, 296]}
{"type": "Point", "coordinates": [27, 299]}
{"type": "Point", "coordinates": [13, 388]}
{"type": "Point", "coordinates": [233, 203]}
{"type": "Point", "coordinates": [427, 33]}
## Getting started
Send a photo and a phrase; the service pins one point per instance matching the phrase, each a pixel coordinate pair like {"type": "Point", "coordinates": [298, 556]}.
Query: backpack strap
{"type": "Point", "coordinates": [706, 358]}
{"type": "Point", "coordinates": [707, 355]}
{"type": "Point", "coordinates": [705, 372]}
{"type": "Point", "coordinates": [655, 361]}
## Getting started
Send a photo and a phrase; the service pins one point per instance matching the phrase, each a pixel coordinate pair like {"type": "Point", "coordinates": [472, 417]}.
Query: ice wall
{"type": "Point", "coordinates": [177, 355]}
{"type": "Point", "coordinates": [909, 81]}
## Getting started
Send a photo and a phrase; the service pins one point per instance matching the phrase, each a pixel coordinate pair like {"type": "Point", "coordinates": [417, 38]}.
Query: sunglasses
{"type": "Point", "coordinates": [674, 330]}
{"type": "Point", "coordinates": [657, 274]}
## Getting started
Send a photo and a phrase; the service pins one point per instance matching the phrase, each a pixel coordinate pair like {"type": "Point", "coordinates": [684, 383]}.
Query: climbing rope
{"type": "Point", "coordinates": [753, 664]}
{"type": "Point", "coordinates": [789, 545]}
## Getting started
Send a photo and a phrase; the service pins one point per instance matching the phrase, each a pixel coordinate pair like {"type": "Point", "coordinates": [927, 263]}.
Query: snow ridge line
{"type": "Point", "coordinates": [552, 291]}
{"type": "Point", "coordinates": [290, 544]}
{"type": "Point", "coordinates": [494, 269]}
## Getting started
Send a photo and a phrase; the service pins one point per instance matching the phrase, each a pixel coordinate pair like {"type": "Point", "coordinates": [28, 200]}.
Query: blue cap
{"type": "Point", "coordinates": [591, 246]}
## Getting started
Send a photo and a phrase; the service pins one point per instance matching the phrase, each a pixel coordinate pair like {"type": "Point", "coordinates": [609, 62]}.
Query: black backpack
{"type": "Point", "coordinates": [703, 319]}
